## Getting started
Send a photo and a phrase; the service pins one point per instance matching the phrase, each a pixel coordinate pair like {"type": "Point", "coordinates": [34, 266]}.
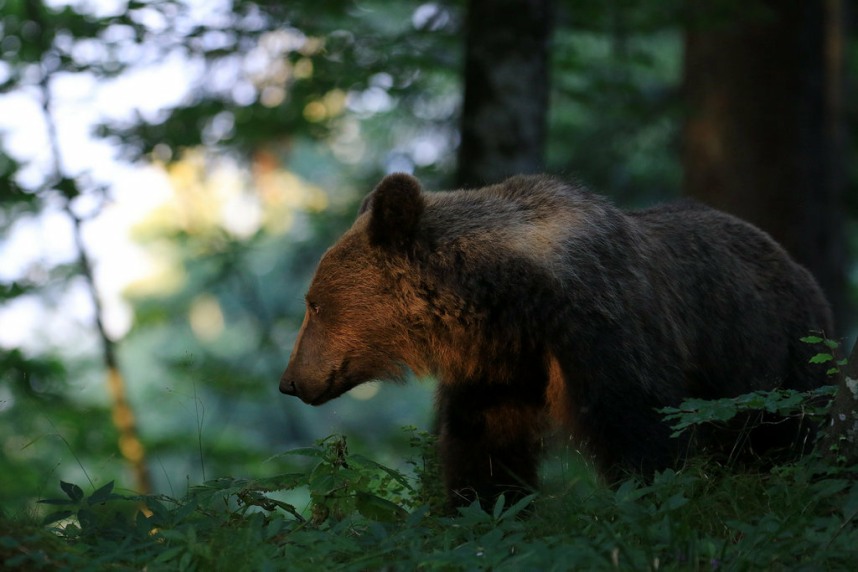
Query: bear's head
{"type": "Point", "coordinates": [355, 328]}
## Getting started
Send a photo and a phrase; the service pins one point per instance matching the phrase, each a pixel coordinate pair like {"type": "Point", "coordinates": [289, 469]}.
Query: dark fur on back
{"type": "Point", "coordinates": [534, 299]}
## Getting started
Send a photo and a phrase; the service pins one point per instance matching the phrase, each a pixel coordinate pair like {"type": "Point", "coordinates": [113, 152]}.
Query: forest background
{"type": "Point", "coordinates": [171, 171]}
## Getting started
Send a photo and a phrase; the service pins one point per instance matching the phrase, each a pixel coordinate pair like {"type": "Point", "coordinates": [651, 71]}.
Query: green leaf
{"type": "Point", "coordinates": [629, 491]}
{"type": "Point", "coordinates": [676, 501]}
{"type": "Point", "coordinates": [515, 509]}
{"type": "Point", "coordinates": [376, 508]}
{"type": "Point", "coordinates": [306, 452]}
{"type": "Point", "coordinates": [498, 508]}
{"type": "Point", "coordinates": [160, 513]}
{"type": "Point", "coordinates": [101, 495]}
{"type": "Point", "coordinates": [87, 518]}
{"type": "Point", "coordinates": [185, 511]}
{"type": "Point", "coordinates": [321, 482]}
{"type": "Point", "coordinates": [169, 554]}
{"type": "Point", "coordinates": [396, 475]}
{"type": "Point", "coordinates": [849, 506]}
{"type": "Point", "coordinates": [56, 515]}
{"type": "Point", "coordinates": [59, 502]}
{"type": "Point", "coordinates": [811, 339]}
{"type": "Point", "coordinates": [74, 492]}
{"type": "Point", "coordinates": [821, 358]}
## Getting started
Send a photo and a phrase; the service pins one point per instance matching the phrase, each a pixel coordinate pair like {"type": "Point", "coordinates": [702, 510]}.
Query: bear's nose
{"type": "Point", "coordinates": [288, 387]}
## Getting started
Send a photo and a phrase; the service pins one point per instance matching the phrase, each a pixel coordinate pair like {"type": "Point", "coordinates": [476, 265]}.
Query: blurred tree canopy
{"type": "Point", "coordinates": [270, 120]}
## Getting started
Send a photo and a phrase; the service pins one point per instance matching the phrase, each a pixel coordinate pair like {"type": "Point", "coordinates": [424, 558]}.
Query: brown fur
{"type": "Point", "coordinates": [534, 300]}
{"type": "Point", "coordinates": [557, 396]}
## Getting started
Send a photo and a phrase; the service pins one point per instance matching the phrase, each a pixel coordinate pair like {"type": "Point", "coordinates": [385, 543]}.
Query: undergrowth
{"type": "Point", "coordinates": [343, 511]}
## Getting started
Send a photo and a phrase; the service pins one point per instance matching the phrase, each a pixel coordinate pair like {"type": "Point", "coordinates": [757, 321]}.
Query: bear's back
{"type": "Point", "coordinates": [658, 275]}
{"type": "Point", "coordinates": [523, 198]}
{"type": "Point", "coordinates": [526, 217]}
{"type": "Point", "coordinates": [744, 300]}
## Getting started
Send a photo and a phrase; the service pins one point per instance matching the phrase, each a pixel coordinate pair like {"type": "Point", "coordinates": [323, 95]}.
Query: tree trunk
{"type": "Point", "coordinates": [130, 446]}
{"type": "Point", "coordinates": [504, 117]}
{"type": "Point", "coordinates": [763, 137]}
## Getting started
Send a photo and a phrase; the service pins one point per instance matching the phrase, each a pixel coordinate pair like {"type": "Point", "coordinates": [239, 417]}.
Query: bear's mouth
{"type": "Point", "coordinates": [328, 393]}
{"type": "Point", "coordinates": [337, 383]}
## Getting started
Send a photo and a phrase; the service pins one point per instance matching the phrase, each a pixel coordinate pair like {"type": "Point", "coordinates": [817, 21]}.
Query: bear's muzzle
{"type": "Point", "coordinates": [288, 387]}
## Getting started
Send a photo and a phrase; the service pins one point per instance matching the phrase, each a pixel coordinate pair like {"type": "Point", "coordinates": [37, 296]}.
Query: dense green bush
{"type": "Point", "coordinates": [338, 510]}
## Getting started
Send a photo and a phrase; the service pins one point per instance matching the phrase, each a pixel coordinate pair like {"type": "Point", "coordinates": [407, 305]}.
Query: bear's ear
{"type": "Point", "coordinates": [395, 207]}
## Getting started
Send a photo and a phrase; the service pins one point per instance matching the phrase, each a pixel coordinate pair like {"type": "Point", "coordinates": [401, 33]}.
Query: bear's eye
{"type": "Point", "coordinates": [313, 307]}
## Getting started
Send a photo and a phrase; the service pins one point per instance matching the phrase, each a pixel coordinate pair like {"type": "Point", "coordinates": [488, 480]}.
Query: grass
{"type": "Point", "coordinates": [702, 518]}
{"type": "Point", "coordinates": [359, 515]}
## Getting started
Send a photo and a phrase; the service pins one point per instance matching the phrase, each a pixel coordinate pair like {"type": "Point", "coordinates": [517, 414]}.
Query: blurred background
{"type": "Point", "coordinates": [171, 171]}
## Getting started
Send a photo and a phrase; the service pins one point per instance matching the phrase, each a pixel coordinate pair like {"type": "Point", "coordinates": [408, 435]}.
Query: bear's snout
{"type": "Point", "coordinates": [288, 387]}
{"type": "Point", "coordinates": [303, 389]}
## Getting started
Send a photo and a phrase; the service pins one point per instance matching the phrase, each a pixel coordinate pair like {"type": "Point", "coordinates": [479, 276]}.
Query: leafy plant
{"type": "Point", "coordinates": [360, 515]}
{"type": "Point", "coordinates": [782, 402]}
{"type": "Point", "coordinates": [78, 505]}
{"type": "Point", "coordinates": [826, 356]}
{"type": "Point", "coordinates": [756, 408]}
{"type": "Point", "coordinates": [427, 470]}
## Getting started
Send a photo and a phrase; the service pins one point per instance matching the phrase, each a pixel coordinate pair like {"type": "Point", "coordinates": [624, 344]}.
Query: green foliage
{"type": "Point", "coordinates": [360, 515]}
{"type": "Point", "coordinates": [616, 109]}
{"type": "Point", "coordinates": [782, 402]}
{"type": "Point", "coordinates": [427, 470]}
{"type": "Point", "coordinates": [827, 355]}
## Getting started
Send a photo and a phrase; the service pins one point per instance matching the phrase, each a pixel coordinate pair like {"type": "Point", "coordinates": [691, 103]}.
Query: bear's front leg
{"type": "Point", "coordinates": [489, 442]}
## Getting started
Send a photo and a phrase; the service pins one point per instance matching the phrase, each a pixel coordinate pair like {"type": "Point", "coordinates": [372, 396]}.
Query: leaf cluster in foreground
{"type": "Point", "coordinates": [346, 512]}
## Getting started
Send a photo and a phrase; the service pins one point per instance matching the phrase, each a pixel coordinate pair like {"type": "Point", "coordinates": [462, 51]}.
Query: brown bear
{"type": "Point", "coordinates": [535, 300]}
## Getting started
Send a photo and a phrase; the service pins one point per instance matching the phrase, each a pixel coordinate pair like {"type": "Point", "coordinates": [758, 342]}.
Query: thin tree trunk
{"type": "Point", "coordinates": [504, 117]}
{"type": "Point", "coordinates": [130, 446]}
{"type": "Point", "coordinates": [763, 137]}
